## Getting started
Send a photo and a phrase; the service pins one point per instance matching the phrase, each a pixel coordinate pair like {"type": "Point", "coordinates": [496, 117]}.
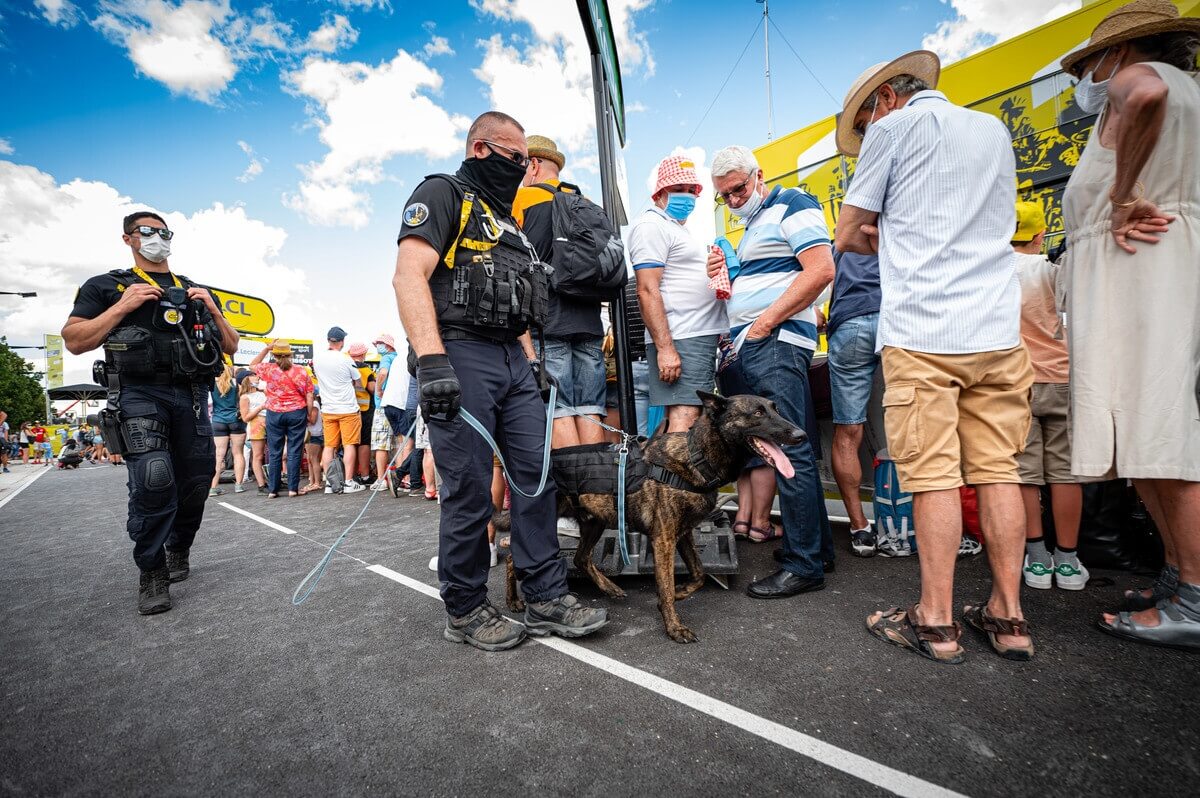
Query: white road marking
{"type": "Point", "coordinates": [41, 471]}
{"type": "Point", "coordinates": [887, 778]}
{"type": "Point", "coordinates": [870, 771]}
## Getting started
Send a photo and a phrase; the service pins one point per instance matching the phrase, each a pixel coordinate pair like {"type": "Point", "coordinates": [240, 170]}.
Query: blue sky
{"type": "Point", "coordinates": [283, 138]}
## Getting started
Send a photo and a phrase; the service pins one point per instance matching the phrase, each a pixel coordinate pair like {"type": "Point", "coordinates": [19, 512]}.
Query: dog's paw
{"type": "Point", "coordinates": [615, 593]}
{"type": "Point", "coordinates": [682, 634]}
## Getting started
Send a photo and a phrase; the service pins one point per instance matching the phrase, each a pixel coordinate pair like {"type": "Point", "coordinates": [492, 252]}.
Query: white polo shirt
{"type": "Point", "coordinates": [335, 379]}
{"type": "Point", "coordinates": [943, 179]}
{"type": "Point", "coordinates": [656, 241]}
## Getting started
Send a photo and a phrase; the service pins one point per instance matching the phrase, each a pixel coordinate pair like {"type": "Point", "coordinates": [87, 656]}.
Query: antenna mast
{"type": "Point", "coordinates": [767, 60]}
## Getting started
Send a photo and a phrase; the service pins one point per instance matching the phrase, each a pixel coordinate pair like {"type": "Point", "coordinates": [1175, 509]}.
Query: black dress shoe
{"type": "Point", "coordinates": [783, 584]}
{"type": "Point", "coordinates": [827, 566]}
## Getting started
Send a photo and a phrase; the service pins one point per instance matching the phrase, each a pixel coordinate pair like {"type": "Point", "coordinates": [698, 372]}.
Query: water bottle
{"type": "Point", "coordinates": [731, 259]}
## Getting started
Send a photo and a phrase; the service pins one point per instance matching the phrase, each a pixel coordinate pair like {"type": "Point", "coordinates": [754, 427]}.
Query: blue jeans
{"type": "Point", "coordinates": [641, 394]}
{"type": "Point", "coordinates": [289, 426]}
{"type": "Point", "coordinates": [577, 363]}
{"type": "Point", "coordinates": [779, 372]}
{"type": "Point", "coordinates": [852, 365]}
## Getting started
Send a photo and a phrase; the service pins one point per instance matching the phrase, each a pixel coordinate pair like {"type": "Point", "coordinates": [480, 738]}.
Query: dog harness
{"type": "Point", "coordinates": [712, 480]}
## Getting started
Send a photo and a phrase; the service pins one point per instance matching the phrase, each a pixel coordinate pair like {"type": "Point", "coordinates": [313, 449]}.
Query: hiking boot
{"type": "Point", "coordinates": [1038, 575]}
{"type": "Point", "coordinates": [862, 541]}
{"type": "Point", "coordinates": [485, 628]}
{"type": "Point", "coordinates": [154, 592]}
{"type": "Point", "coordinates": [1068, 576]}
{"type": "Point", "coordinates": [177, 565]}
{"type": "Point", "coordinates": [564, 616]}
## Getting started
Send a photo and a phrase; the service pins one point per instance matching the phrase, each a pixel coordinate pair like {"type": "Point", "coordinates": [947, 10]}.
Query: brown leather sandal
{"type": "Point", "coordinates": [899, 627]}
{"type": "Point", "coordinates": [978, 617]}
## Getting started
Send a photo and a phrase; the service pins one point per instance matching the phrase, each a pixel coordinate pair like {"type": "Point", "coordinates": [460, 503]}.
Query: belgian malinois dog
{"type": "Point", "coordinates": [728, 432]}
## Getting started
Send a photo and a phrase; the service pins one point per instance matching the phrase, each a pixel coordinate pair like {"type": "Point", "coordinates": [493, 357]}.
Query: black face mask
{"type": "Point", "coordinates": [496, 177]}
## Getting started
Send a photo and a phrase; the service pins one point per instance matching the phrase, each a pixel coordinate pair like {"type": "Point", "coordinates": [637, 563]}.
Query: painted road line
{"type": "Point", "coordinates": [41, 472]}
{"type": "Point", "coordinates": [258, 518]}
{"type": "Point", "coordinates": [868, 770]}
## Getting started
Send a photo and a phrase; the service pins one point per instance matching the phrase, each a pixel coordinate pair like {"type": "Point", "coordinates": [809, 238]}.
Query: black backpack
{"type": "Point", "coordinates": [588, 255]}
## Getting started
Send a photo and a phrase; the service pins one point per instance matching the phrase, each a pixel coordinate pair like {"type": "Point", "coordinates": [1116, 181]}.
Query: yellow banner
{"type": "Point", "coordinates": [247, 314]}
{"type": "Point", "coordinates": [54, 360]}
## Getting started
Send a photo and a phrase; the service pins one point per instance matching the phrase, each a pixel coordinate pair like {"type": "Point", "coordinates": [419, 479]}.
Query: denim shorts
{"type": "Point", "coordinates": [852, 365]}
{"type": "Point", "coordinates": [698, 359]}
{"type": "Point", "coordinates": [223, 430]}
{"type": "Point", "coordinates": [578, 365]}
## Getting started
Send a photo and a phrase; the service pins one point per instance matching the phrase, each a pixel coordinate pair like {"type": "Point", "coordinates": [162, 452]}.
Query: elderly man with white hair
{"type": "Point", "coordinates": [785, 263]}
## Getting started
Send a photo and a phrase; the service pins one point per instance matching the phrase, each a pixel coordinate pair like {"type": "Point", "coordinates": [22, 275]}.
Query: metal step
{"type": "Point", "coordinates": [717, 547]}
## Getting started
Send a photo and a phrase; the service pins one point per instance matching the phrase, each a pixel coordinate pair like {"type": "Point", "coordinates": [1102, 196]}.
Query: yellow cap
{"type": "Point", "coordinates": [1031, 220]}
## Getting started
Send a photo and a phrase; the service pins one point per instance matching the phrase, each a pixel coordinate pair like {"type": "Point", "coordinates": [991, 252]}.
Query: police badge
{"type": "Point", "coordinates": [416, 214]}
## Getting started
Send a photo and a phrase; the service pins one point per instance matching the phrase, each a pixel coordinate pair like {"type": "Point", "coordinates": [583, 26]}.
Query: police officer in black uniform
{"type": "Point", "coordinates": [468, 285]}
{"type": "Point", "coordinates": [163, 339]}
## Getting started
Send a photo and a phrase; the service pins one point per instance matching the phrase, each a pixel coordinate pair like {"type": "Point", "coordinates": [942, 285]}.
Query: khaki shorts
{"type": "Point", "coordinates": [342, 429]}
{"type": "Point", "coordinates": [952, 419]}
{"type": "Point", "coordinates": [1047, 455]}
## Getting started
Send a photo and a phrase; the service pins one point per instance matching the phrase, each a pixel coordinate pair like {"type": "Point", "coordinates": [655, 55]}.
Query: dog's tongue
{"type": "Point", "coordinates": [778, 459]}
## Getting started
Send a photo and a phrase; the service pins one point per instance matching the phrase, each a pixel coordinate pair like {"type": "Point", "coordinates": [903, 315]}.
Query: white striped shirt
{"type": "Point", "coordinates": [943, 179]}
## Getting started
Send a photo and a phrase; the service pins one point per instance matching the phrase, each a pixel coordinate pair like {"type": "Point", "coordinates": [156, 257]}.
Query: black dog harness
{"type": "Point", "coordinates": [712, 480]}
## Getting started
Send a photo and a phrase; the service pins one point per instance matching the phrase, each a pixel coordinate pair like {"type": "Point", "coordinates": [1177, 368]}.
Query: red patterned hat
{"type": "Point", "coordinates": [677, 170]}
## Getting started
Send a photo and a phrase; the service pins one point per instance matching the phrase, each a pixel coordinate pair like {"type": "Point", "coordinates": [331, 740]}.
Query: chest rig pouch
{"type": "Point", "coordinates": [490, 278]}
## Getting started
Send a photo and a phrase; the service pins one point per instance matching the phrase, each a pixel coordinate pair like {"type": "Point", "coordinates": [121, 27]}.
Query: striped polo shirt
{"type": "Point", "coordinates": [788, 223]}
{"type": "Point", "coordinates": [943, 179]}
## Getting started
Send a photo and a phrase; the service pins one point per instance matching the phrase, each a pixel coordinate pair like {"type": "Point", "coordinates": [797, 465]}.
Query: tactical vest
{"type": "Point", "coordinates": [148, 355]}
{"type": "Point", "coordinates": [490, 282]}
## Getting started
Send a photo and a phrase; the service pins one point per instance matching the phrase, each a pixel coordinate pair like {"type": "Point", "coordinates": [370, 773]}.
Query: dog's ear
{"type": "Point", "coordinates": [712, 401]}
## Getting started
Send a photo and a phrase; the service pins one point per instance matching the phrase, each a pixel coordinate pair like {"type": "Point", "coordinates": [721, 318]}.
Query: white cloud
{"type": "Point", "coordinates": [332, 36]}
{"type": "Point", "coordinates": [254, 168]}
{"type": "Point", "coordinates": [366, 115]}
{"type": "Point", "coordinates": [438, 45]}
{"type": "Point", "coordinates": [181, 45]}
{"type": "Point", "coordinates": [59, 12]}
{"type": "Point", "coordinates": [219, 246]}
{"type": "Point", "coordinates": [266, 31]}
{"type": "Point", "coordinates": [6, 147]}
{"type": "Point", "coordinates": [365, 5]}
{"type": "Point", "coordinates": [981, 23]}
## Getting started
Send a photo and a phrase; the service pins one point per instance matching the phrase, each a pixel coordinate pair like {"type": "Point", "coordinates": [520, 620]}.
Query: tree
{"type": "Point", "coordinates": [21, 394]}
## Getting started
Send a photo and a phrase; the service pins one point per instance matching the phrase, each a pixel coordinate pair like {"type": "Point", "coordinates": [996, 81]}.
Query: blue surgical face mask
{"type": "Point", "coordinates": [680, 206]}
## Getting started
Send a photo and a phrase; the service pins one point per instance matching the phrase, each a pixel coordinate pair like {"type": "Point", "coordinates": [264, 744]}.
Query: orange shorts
{"type": "Point", "coordinates": [342, 429]}
{"type": "Point", "coordinates": [956, 418]}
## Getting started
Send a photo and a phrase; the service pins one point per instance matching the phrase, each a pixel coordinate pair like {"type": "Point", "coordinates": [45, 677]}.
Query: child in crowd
{"type": "Point", "coordinates": [1047, 455]}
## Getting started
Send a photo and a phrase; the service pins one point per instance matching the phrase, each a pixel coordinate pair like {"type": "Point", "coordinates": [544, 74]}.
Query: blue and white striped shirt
{"type": "Point", "coordinates": [788, 223]}
{"type": "Point", "coordinates": [943, 179]}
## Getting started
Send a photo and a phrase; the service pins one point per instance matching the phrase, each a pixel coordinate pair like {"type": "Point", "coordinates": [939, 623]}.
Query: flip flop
{"type": "Point", "coordinates": [741, 529]}
{"type": "Point", "coordinates": [760, 535]}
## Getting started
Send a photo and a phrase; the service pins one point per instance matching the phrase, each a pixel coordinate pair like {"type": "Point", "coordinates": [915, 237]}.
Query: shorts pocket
{"type": "Point", "coordinates": [902, 420]}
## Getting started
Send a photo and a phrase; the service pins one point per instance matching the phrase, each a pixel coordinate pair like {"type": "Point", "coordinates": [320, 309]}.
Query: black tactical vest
{"type": "Point", "coordinates": [490, 283]}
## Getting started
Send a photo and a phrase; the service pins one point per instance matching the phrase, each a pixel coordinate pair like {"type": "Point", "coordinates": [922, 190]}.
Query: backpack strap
{"type": "Point", "coordinates": [468, 202]}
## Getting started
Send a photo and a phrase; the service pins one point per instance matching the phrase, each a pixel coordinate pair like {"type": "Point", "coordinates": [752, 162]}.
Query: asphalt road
{"type": "Point", "coordinates": [238, 691]}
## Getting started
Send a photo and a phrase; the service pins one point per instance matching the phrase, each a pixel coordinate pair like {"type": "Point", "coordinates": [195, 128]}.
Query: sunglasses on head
{"type": "Point", "coordinates": [513, 155]}
{"type": "Point", "coordinates": [147, 230]}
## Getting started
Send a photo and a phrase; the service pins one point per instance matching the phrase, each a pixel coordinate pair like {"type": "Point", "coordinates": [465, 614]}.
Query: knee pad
{"type": "Point", "coordinates": [154, 480]}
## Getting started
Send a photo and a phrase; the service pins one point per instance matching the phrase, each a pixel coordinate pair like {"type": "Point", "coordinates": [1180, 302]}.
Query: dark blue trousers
{"type": "Point", "coordinates": [169, 484]}
{"type": "Point", "coordinates": [289, 427]}
{"type": "Point", "coordinates": [499, 390]}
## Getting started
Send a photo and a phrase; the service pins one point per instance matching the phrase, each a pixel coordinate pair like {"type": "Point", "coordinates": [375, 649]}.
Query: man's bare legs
{"type": "Point", "coordinates": [1173, 504]}
{"type": "Point", "coordinates": [847, 470]}
{"type": "Point", "coordinates": [1002, 516]}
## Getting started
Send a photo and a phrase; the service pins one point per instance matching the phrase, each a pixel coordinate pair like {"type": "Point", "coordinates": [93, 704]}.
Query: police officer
{"type": "Point", "coordinates": [163, 338]}
{"type": "Point", "coordinates": [468, 285]}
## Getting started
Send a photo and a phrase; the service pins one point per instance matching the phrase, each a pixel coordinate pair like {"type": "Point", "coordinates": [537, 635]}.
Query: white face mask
{"type": "Point", "coordinates": [752, 203]}
{"type": "Point", "coordinates": [154, 249]}
{"type": "Point", "coordinates": [1092, 95]}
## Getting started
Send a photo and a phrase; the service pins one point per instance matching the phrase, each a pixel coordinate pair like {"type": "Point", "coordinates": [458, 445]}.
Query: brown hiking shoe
{"type": "Point", "coordinates": [486, 628]}
{"type": "Point", "coordinates": [154, 593]}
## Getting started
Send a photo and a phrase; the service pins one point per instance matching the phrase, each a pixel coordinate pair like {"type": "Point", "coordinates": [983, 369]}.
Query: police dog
{"type": "Point", "coordinates": [728, 432]}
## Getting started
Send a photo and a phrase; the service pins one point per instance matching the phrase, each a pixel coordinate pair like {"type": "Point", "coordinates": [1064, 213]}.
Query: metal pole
{"type": "Point", "coordinates": [612, 198]}
{"type": "Point", "coordinates": [767, 59]}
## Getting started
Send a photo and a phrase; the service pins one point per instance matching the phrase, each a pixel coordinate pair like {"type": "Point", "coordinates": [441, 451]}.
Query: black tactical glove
{"type": "Point", "coordinates": [543, 378]}
{"type": "Point", "coordinates": [437, 385]}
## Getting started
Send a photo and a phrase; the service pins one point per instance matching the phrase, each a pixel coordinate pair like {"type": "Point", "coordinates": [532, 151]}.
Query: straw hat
{"type": "Point", "coordinates": [542, 147]}
{"type": "Point", "coordinates": [282, 349]}
{"type": "Point", "coordinates": [1133, 21]}
{"type": "Point", "coordinates": [922, 64]}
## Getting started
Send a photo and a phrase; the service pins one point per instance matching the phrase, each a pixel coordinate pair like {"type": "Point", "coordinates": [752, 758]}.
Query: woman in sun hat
{"type": "Point", "coordinates": [1132, 214]}
{"type": "Point", "coordinates": [289, 405]}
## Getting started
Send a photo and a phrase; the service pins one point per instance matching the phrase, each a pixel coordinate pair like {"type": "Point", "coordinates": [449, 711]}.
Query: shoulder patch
{"type": "Point", "coordinates": [416, 214]}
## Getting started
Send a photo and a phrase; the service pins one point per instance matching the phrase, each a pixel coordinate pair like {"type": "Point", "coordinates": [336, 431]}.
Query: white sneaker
{"type": "Point", "coordinates": [1037, 575]}
{"type": "Point", "coordinates": [353, 487]}
{"type": "Point", "coordinates": [379, 485]}
{"type": "Point", "coordinates": [328, 489]}
{"type": "Point", "coordinates": [433, 564]}
{"type": "Point", "coordinates": [1068, 577]}
{"type": "Point", "coordinates": [568, 527]}
{"type": "Point", "coordinates": [969, 546]}
{"type": "Point", "coordinates": [494, 560]}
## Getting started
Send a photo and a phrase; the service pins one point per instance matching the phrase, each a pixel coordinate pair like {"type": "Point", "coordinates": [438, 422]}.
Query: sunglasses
{"type": "Point", "coordinates": [513, 155]}
{"type": "Point", "coordinates": [737, 191]}
{"type": "Point", "coordinates": [147, 230]}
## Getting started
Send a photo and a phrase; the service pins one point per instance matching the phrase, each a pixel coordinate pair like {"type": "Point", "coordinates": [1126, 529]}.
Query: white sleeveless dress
{"type": "Point", "coordinates": [1134, 320]}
